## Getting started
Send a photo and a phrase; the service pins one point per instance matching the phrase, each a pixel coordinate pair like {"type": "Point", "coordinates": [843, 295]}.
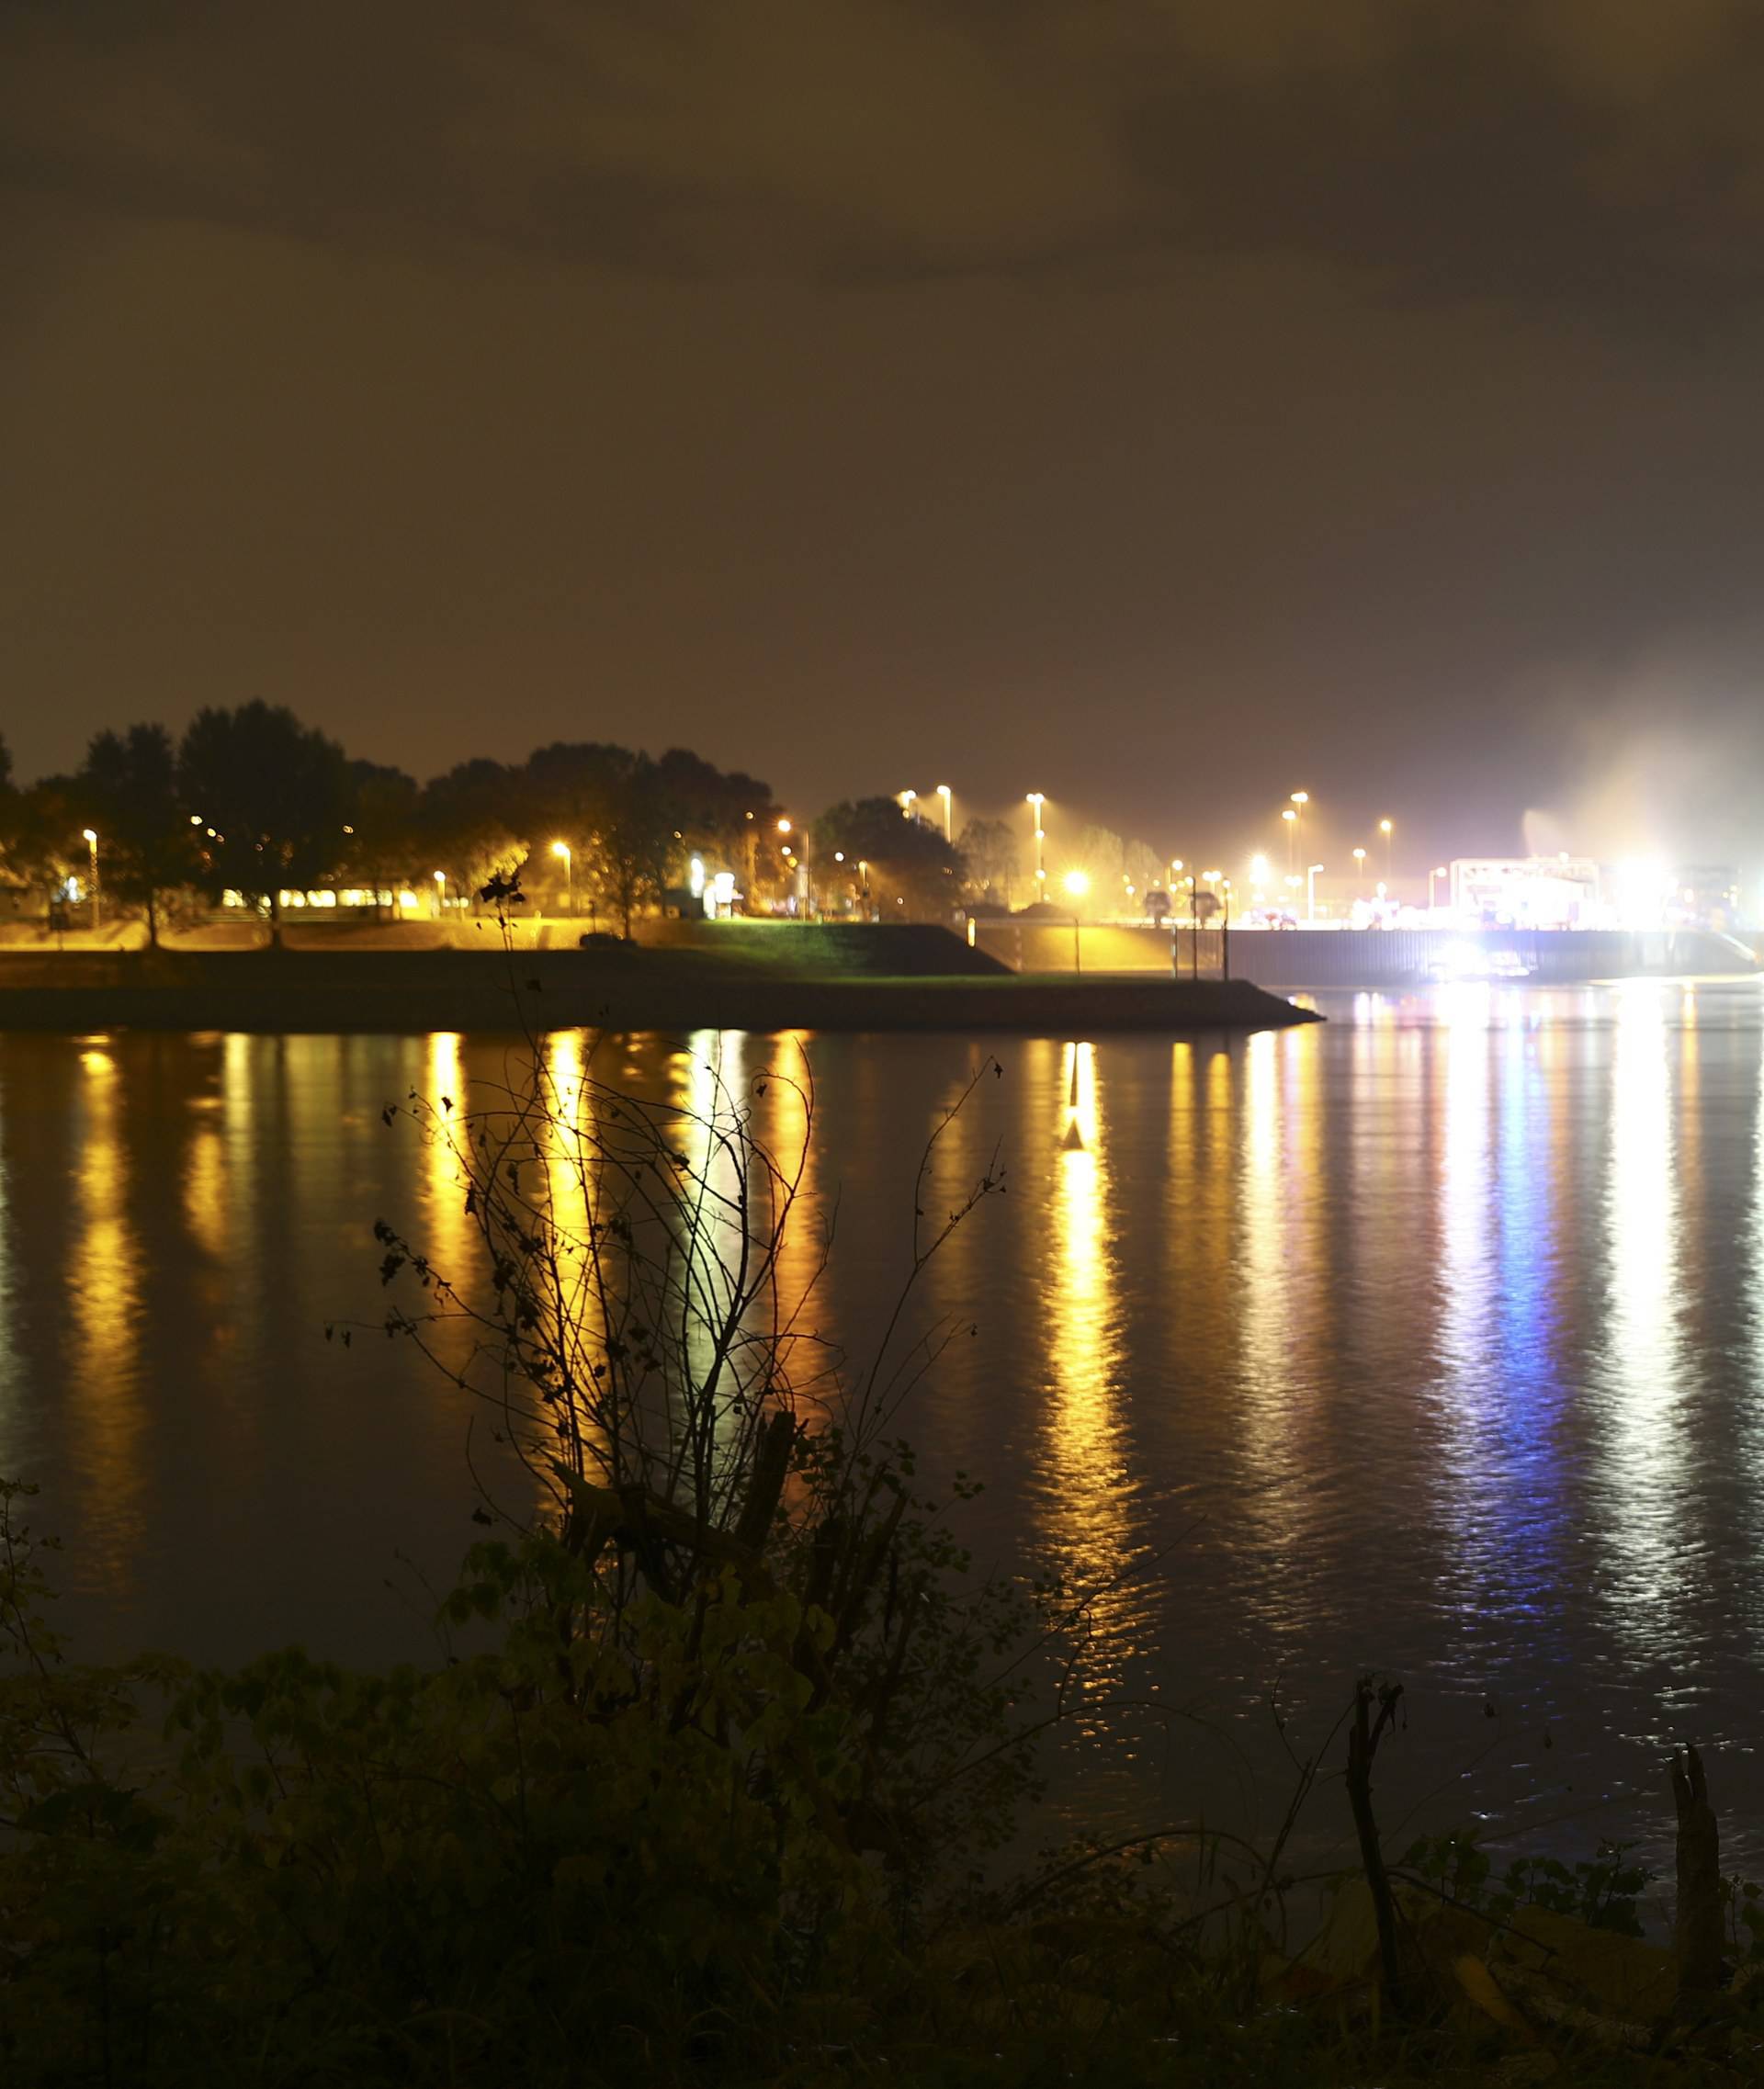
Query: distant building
{"type": "Point", "coordinates": [1705, 895]}
{"type": "Point", "coordinates": [1527, 892]}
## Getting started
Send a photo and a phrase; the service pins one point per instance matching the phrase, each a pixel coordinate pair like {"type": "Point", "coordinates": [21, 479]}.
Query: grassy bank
{"type": "Point", "coordinates": [678, 991]}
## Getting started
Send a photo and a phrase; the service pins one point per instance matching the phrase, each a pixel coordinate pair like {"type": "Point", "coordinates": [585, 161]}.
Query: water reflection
{"type": "Point", "coordinates": [1088, 1484]}
{"type": "Point", "coordinates": [1645, 1374]}
{"type": "Point", "coordinates": [9, 1303]}
{"type": "Point", "coordinates": [1455, 1308]}
{"type": "Point", "coordinates": [104, 1301]}
{"type": "Point", "coordinates": [1281, 1292]}
{"type": "Point", "coordinates": [1499, 1389]}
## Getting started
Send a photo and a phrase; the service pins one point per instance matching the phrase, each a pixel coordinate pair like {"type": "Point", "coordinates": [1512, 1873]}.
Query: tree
{"type": "Point", "coordinates": [608, 806]}
{"type": "Point", "coordinates": [130, 788]}
{"type": "Point", "coordinates": [11, 812]}
{"type": "Point", "coordinates": [988, 848]}
{"type": "Point", "coordinates": [477, 822]}
{"type": "Point", "coordinates": [45, 847]}
{"type": "Point", "coordinates": [913, 872]}
{"type": "Point", "coordinates": [276, 792]}
{"type": "Point", "coordinates": [1143, 865]}
{"type": "Point", "coordinates": [384, 830]}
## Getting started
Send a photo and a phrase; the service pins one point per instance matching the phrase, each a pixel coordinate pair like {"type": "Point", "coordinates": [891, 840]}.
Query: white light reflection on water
{"type": "Point", "coordinates": [1750, 1418]}
{"type": "Point", "coordinates": [1644, 1376]}
{"type": "Point", "coordinates": [1283, 1291]}
{"type": "Point", "coordinates": [1501, 1391]}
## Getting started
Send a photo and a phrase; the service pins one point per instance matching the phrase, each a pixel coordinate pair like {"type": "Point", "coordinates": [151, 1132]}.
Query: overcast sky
{"type": "Point", "coordinates": [1164, 406]}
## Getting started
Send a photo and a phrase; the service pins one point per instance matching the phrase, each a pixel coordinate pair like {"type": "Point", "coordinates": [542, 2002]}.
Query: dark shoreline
{"type": "Point", "coordinates": [643, 989]}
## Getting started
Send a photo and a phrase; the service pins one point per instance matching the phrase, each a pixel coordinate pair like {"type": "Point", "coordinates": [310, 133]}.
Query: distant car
{"type": "Point", "coordinates": [603, 938]}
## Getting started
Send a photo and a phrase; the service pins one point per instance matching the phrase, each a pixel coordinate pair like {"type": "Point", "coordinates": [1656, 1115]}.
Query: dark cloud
{"type": "Point", "coordinates": [1128, 399]}
{"type": "Point", "coordinates": [1586, 154]}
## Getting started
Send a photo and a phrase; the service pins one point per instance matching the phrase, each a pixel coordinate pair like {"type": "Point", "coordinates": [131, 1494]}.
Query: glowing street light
{"type": "Point", "coordinates": [905, 800]}
{"type": "Point", "coordinates": [949, 814]}
{"type": "Point", "coordinates": [441, 891]}
{"type": "Point", "coordinates": [562, 849]}
{"type": "Point", "coordinates": [1076, 884]}
{"type": "Point", "coordinates": [783, 827]}
{"type": "Point", "coordinates": [1300, 800]}
{"type": "Point", "coordinates": [1359, 870]}
{"type": "Point", "coordinates": [1387, 828]}
{"type": "Point", "coordinates": [97, 905]}
{"type": "Point", "coordinates": [1312, 872]}
{"type": "Point", "coordinates": [1038, 799]}
{"type": "Point", "coordinates": [1439, 870]}
{"type": "Point", "coordinates": [1289, 820]}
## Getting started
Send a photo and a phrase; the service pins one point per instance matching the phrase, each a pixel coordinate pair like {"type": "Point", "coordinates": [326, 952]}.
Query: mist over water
{"type": "Point", "coordinates": [1431, 1339]}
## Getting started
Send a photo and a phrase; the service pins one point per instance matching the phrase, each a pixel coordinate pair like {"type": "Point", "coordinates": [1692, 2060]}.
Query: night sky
{"type": "Point", "coordinates": [1163, 406]}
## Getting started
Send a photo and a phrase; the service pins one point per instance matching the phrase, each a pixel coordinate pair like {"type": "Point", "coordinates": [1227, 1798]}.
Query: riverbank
{"type": "Point", "coordinates": [615, 988]}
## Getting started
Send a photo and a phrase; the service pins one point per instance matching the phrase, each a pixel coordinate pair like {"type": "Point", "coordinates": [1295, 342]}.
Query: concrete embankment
{"type": "Point", "coordinates": [637, 989]}
{"type": "Point", "coordinates": [1293, 960]}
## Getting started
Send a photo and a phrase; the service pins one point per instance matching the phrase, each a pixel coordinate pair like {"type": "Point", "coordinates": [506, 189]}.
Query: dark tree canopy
{"type": "Point", "coordinates": [276, 792]}
{"type": "Point", "coordinates": [912, 871]}
{"type": "Point", "coordinates": [132, 792]}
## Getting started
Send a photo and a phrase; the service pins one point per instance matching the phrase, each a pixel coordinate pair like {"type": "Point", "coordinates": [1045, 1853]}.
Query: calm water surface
{"type": "Point", "coordinates": [1429, 1341]}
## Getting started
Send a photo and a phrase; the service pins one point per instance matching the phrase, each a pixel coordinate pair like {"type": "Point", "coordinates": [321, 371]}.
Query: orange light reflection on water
{"type": "Point", "coordinates": [103, 1297]}
{"type": "Point", "coordinates": [1086, 1506]}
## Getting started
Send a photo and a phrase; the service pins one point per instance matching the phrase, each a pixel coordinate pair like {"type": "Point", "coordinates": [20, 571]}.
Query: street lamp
{"type": "Point", "coordinates": [1038, 799]}
{"type": "Point", "coordinates": [1359, 870]}
{"type": "Point", "coordinates": [1439, 870]}
{"type": "Point", "coordinates": [949, 815]}
{"type": "Point", "coordinates": [1387, 828]}
{"type": "Point", "coordinates": [1311, 871]}
{"type": "Point", "coordinates": [441, 892]}
{"type": "Point", "coordinates": [1076, 884]}
{"type": "Point", "coordinates": [562, 849]}
{"type": "Point", "coordinates": [1289, 820]}
{"type": "Point", "coordinates": [97, 909]}
{"type": "Point", "coordinates": [905, 800]}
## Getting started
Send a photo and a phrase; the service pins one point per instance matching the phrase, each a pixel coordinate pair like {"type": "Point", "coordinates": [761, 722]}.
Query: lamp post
{"type": "Point", "coordinates": [562, 849]}
{"type": "Point", "coordinates": [1311, 871]}
{"type": "Point", "coordinates": [1289, 820]}
{"type": "Point", "coordinates": [1439, 870]}
{"type": "Point", "coordinates": [441, 893]}
{"type": "Point", "coordinates": [905, 800]}
{"type": "Point", "coordinates": [1387, 828]}
{"type": "Point", "coordinates": [945, 792]}
{"type": "Point", "coordinates": [1300, 800]}
{"type": "Point", "coordinates": [98, 904]}
{"type": "Point", "coordinates": [1035, 800]}
{"type": "Point", "coordinates": [1359, 870]}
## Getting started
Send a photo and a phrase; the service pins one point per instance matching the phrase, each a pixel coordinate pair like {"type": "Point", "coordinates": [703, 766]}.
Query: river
{"type": "Point", "coordinates": [1427, 1341]}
